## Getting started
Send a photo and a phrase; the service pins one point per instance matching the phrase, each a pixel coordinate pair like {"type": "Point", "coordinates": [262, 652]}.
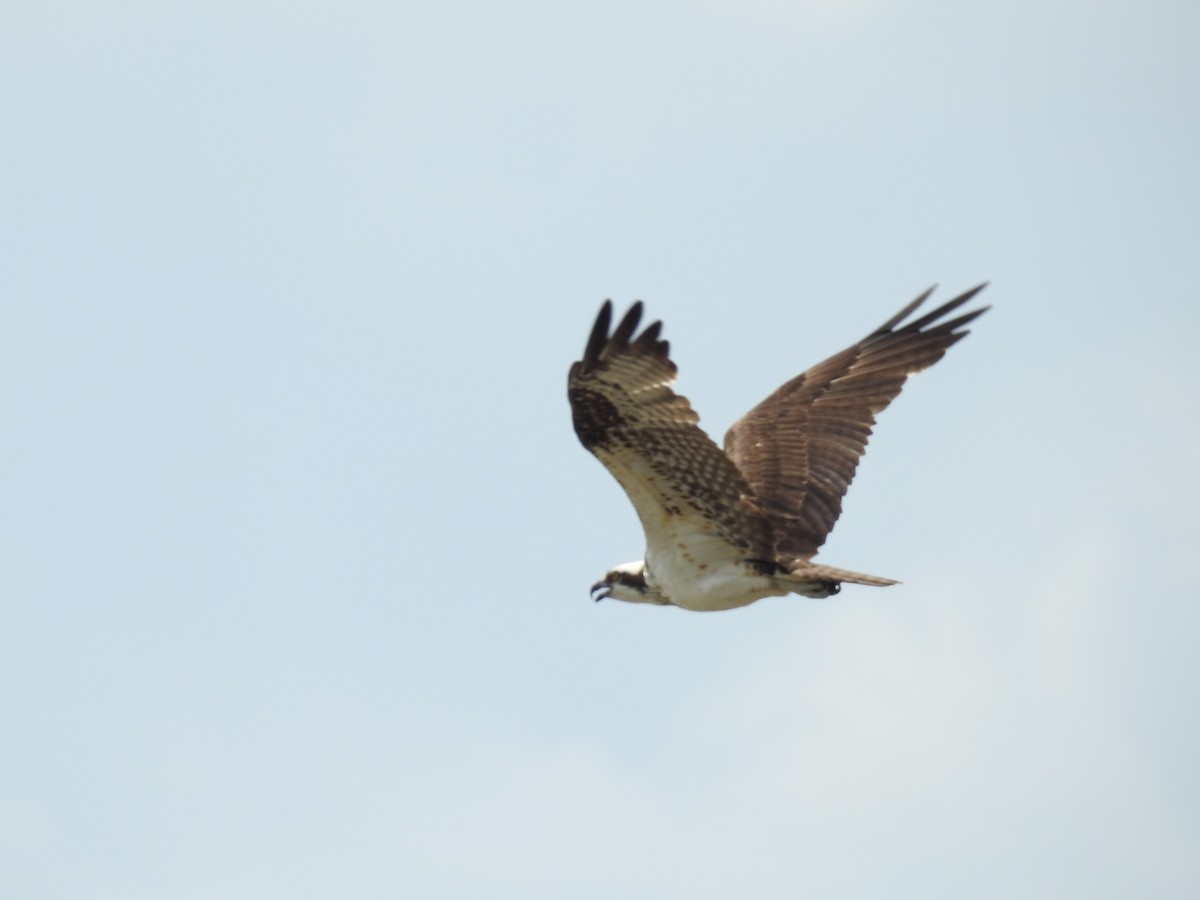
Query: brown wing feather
{"type": "Point", "coordinates": [799, 448]}
{"type": "Point", "coordinates": [685, 489]}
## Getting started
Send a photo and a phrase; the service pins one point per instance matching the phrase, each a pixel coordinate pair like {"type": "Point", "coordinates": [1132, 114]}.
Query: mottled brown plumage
{"type": "Point", "coordinates": [626, 413]}
{"type": "Point", "coordinates": [764, 505]}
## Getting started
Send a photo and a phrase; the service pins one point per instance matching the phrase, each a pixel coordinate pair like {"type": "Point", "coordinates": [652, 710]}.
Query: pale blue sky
{"type": "Point", "coordinates": [297, 539]}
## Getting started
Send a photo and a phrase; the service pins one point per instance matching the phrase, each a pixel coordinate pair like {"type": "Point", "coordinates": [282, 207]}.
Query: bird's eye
{"type": "Point", "coordinates": [612, 577]}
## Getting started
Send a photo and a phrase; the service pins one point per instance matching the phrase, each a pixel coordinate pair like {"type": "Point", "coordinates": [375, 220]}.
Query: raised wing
{"type": "Point", "coordinates": [799, 448]}
{"type": "Point", "coordinates": [690, 497]}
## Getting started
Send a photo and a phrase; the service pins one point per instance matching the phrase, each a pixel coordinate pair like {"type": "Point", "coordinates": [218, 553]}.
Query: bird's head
{"type": "Point", "coordinates": [626, 582]}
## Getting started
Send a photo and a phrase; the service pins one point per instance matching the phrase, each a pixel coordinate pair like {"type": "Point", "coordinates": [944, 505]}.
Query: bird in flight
{"type": "Point", "coordinates": [726, 527]}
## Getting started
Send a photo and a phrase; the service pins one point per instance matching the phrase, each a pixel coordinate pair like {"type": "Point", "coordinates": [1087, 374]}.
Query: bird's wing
{"type": "Point", "coordinates": [690, 497]}
{"type": "Point", "coordinates": [800, 447]}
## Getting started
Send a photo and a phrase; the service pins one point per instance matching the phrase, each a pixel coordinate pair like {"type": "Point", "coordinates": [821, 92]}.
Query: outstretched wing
{"type": "Point", "coordinates": [800, 447]}
{"type": "Point", "coordinates": [690, 497]}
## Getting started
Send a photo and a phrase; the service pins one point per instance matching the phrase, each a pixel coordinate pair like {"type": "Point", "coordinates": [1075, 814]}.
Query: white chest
{"type": "Point", "coordinates": [707, 586]}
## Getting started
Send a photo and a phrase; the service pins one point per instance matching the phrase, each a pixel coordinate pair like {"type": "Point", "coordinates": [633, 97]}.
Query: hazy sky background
{"type": "Point", "coordinates": [297, 538]}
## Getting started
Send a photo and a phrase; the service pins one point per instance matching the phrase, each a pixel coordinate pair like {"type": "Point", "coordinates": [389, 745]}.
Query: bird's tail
{"type": "Point", "coordinates": [813, 580]}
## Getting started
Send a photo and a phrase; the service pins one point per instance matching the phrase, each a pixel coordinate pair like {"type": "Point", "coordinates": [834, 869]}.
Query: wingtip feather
{"type": "Point", "coordinates": [933, 316]}
{"type": "Point", "coordinates": [627, 326]}
{"type": "Point", "coordinates": [605, 340]}
{"type": "Point", "coordinates": [599, 335]}
{"type": "Point", "coordinates": [904, 313]}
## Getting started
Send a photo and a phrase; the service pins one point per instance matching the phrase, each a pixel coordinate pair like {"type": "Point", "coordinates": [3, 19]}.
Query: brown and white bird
{"type": "Point", "coordinates": [727, 527]}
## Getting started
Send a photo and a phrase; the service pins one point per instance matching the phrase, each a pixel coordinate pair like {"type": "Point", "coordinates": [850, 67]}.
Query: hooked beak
{"type": "Point", "coordinates": [602, 589]}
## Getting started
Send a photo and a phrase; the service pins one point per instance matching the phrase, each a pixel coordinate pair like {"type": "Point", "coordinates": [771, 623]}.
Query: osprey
{"type": "Point", "coordinates": [727, 527]}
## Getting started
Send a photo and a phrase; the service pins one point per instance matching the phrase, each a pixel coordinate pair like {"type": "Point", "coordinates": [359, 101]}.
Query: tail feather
{"type": "Point", "coordinates": [830, 573]}
{"type": "Point", "coordinates": [813, 580]}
